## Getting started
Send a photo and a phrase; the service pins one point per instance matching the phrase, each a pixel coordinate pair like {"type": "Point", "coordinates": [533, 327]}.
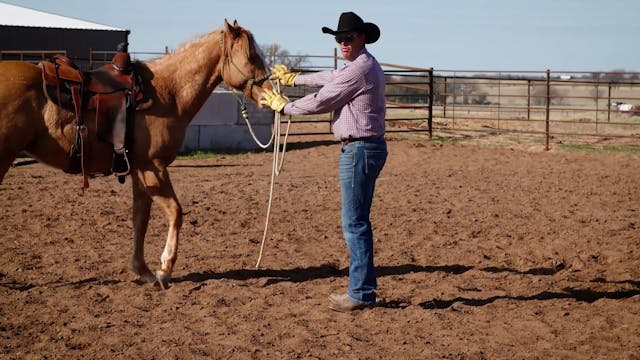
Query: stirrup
{"type": "Point", "coordinates": [121, 166]}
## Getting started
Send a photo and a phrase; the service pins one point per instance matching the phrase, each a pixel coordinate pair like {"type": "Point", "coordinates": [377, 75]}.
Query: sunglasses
{"type": "Point", "coordinates": [344, 38]}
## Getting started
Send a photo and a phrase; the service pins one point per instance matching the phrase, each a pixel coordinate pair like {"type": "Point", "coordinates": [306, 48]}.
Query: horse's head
{"type": "Point", "coordinates": [242, 65]}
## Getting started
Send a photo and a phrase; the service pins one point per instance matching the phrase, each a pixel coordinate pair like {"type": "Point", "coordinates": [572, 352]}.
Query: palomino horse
{"type": "Point", "coordinates": [178, 84]}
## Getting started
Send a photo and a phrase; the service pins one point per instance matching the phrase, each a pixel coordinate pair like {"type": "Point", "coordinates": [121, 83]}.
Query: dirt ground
{"type": "Point", "coordinates": [482, 253]}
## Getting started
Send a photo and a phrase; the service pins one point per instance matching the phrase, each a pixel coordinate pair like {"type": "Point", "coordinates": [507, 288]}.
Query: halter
{"type": "Point", "coordinates": [248, 81]}
{"type": "Point", "coordinates": [246, 91]}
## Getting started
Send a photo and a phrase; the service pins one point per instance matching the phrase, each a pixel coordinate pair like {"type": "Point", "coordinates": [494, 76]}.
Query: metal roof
{"type": "Point", "coordinates": [12, 15]}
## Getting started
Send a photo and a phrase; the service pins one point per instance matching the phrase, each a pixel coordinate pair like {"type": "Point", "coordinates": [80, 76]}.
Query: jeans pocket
{"type": "Point", "coordinates": [374, 162]}
{"type": "Point", "coordinates": [346, 166]}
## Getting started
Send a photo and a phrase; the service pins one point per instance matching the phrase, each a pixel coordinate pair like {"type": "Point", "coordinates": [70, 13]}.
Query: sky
{"type": "Point", "coordinates": [508, 35]}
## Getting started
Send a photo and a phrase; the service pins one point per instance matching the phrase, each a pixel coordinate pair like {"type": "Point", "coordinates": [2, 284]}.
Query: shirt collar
{"type": "Point", "coordinates": [362, 51]}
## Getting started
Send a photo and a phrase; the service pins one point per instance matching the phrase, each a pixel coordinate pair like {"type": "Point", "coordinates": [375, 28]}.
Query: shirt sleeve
{"type": "Point", "coordinates": [338, 88]}
{"type": "Point", "coordinates": [320, 78]}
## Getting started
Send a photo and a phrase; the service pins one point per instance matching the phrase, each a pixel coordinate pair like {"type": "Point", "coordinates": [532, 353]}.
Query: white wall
{"type": "Point", "coordinates": [219, 125]}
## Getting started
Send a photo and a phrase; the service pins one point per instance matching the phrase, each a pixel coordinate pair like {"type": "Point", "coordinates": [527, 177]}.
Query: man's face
{"type": "Point", "coordinates": [350, 44]}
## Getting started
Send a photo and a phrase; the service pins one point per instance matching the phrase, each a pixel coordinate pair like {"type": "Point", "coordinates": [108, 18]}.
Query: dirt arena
{"type": "Point", "coordinates": [482, 253]}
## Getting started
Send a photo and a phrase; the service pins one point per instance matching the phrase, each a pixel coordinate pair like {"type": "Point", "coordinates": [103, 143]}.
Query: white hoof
{"type": "Point", "coordinates": [162, 279]}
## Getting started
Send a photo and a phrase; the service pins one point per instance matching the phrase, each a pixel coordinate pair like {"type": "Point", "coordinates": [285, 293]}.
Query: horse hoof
{"type": "Point", "coordinates": [162, 279]}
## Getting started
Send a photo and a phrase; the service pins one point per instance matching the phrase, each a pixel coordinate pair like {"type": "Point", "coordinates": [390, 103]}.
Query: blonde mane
{"type": "Point", "coordinates": [187, 46]}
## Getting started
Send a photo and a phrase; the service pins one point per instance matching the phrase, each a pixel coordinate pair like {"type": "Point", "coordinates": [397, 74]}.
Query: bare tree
{"type": "Point", "coordinates": [616, 75]}
{"type": "Point", "coordinates": [539, 94]}
{"type": "Point", "coordinates": [275, 54]}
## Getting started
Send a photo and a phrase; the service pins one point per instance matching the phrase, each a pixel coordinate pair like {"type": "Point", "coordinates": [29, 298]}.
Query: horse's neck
{"type": "Point", "coordinates": [184, 80]}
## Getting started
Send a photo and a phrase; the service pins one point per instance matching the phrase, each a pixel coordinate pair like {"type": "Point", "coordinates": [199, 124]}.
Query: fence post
{"type": "Point", "coordinates": [609, 104]}
{"type": "Point", "coordinates": [430, 119]}
{"type": "Point", "coordinates": [597, 103]}
{"type": "Point", "coordinates": [335, 67]}
{"type": "Point", "coordinates": [546, 120]}
{"type": "Point", "coordinates": [444, 98]}
{"type": "Point", "coordinates": [528, 99]}
{"type": "Point", "coordinates": [90, 59]}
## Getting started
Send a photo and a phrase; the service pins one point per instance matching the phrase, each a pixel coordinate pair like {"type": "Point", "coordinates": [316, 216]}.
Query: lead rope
{"type": "Point", "coordinates": [276, 133]}
{"type": "Point", "coordinates": [245, 116]}
{"type": "Point", "coordinates": [277, 163]}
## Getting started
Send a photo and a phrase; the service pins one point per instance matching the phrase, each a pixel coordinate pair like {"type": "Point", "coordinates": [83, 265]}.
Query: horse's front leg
{"type": "Point", "coordinates": [158, 187]}
{"type": "Point", "coordinates": [141, 213]}
{"type": "Point", "coordinates": [6, 159]}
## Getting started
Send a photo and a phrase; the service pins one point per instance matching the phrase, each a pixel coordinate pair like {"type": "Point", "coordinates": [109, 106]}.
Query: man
{"type": "Point", "coordinates": [355, 94]}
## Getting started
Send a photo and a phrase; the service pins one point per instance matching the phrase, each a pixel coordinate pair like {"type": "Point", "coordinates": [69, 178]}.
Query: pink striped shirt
{"type": "Point", "coordinates": [355, 93]}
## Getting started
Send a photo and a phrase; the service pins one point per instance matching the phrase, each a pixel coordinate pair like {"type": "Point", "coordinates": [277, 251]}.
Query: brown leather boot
{"type": "Point", "coordinates": [344, 303]}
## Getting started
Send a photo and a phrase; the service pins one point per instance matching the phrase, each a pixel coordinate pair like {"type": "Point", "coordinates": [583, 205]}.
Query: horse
{"type": "Point", "coordinates": [178, 84]}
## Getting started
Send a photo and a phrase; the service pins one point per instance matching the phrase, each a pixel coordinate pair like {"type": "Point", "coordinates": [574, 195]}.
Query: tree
{"type": "Point", "coordinates": [539, 94]}
{"type": "Point", "coordinates": [275, 54]}
{"type": "Point", "coordinates": [616, 75]}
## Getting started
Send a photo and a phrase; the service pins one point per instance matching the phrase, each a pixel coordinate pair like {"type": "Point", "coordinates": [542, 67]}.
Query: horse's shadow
{"type": "Point", "coordinates": [298, 275]}
{"type": "Point", "coordinates": [329, 271]}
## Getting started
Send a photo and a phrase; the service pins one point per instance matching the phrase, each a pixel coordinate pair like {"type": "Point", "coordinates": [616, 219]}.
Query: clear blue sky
{"type": "Point", "coordinates": [582, 35]}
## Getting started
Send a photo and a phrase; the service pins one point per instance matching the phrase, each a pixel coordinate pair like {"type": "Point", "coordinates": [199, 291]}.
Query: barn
{"type": "Point", "coordinates": [33, 35]}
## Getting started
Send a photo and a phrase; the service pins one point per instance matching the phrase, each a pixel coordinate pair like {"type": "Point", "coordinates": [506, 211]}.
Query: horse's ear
{"type": "Point", "coordinates": [233, 30]}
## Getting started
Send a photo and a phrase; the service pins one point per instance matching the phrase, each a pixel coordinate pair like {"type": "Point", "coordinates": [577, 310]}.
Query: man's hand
{"type": "Point", "coordinates": [283, 74]}
{"type": "Point", "coordinates": [273, 100]}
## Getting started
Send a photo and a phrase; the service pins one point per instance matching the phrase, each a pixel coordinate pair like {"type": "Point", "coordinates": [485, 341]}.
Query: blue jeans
{"type": "Point", "coordinates": [360, 164]}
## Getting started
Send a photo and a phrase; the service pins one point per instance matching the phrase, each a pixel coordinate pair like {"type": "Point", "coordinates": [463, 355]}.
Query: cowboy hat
{"type": "Point", "coordinates": [349, 21]}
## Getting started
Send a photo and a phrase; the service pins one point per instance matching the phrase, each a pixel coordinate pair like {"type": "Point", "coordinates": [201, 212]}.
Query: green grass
{"type": "Point", "coordinates": [447, 139]}
{"type": "Point", "coordinates": [205, 154]}
{"type": "Point", "coordinates": [624, 149]}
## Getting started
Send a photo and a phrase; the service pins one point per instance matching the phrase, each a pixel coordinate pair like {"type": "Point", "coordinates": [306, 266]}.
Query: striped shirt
{"type": "Point", "coordinates": [355, 93]}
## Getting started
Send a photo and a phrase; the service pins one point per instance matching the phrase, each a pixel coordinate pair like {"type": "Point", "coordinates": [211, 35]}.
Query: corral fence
{"type": "Point", "coordinates": [34, 56]}
{"type": "Point", "coordinates": [542, 104]}
{"type": "Point", "coordinates": [552, 104]}
{"type": "Point", "coordinates": [545, 104]}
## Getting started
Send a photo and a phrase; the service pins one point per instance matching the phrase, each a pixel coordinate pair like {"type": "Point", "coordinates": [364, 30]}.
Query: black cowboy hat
{"type": "Point", "coordinates": [349, 21]}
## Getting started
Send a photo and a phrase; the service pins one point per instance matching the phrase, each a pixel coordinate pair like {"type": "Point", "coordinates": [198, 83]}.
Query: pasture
{"type": "Point", "coordinates": [495, 253]}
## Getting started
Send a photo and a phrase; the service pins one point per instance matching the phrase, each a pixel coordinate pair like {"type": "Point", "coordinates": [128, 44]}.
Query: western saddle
{"type": "Point", "coordinates": [114, 91]}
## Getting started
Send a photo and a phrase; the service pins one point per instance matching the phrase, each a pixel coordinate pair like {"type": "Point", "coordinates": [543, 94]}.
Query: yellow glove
{"type": "Point", "coordinates": [273, 100]}
{"type": "Point", "coordinates": [283, 74]}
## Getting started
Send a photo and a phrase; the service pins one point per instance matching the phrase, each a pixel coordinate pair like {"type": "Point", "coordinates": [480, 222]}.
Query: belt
{"type": "Point", "coordinates": [354, 139]}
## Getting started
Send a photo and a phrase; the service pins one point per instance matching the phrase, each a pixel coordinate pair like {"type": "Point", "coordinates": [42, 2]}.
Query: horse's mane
{"type": "Point", "coordinates": [186, 46]}
{"type": "Point", "coordinates": [196, 42]}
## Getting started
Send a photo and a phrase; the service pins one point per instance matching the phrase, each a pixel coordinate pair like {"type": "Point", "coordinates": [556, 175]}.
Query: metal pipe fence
{"type": "Point", "coordinates": [28, 55]}
{"type": "Point", "coordinates": [551, 104]}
